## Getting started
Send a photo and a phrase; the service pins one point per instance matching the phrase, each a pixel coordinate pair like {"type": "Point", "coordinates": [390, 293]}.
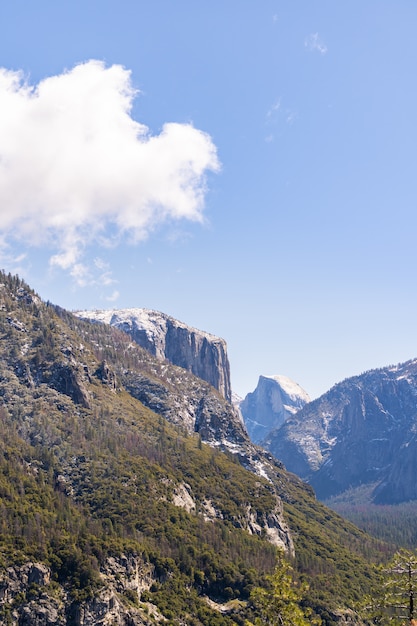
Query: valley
{"type": "Point", "coordinates": [131, 493]}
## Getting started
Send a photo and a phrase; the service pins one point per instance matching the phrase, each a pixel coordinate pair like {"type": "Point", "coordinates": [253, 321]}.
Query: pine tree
{"type": "Point", "coordinates": [394, 601]}
{"type": "Point", "coordinates": [279, 603]}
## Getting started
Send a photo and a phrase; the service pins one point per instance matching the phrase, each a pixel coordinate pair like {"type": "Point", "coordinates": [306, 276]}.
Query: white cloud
{"type": "Point", "coordinates": [113, 297]}
{"type": "Point", "coordinates": [315, 44]}
{"type": "Point", "coordinates": [75, 166]}
{"type": "Point", "coordinates": [105, 277]}
{"type": "Point", "coordinates": [273, 110]}
{"type": "Point", "coordinates": [277, 114]}
{"type": "Point", "coordinates": [101, 264]}
{"type": "Point", "coordinates": [291, 117]}
{"type": "Point", "coordinates": [16, 263]}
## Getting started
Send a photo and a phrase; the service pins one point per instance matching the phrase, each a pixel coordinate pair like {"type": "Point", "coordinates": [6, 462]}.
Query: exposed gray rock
{"type": "Point", "coordinates": [362, 431]}
{"type": "Point", "coordinates": [274, 400]}
{"type": "Point", "coordinates": [45, 611]}
{"type": "Point", "coordinates": [39, 574]}
{"type": "Point", "coordinates": [188, 402]}
{"type": "Point", "coordinates": [68, 379]}
{"type": "Point", "coordinates": [40, 607]}
{"type": "Point", "coordinates": [106, 375]}
{"type": "Point", "coordinates": [271, 526]}
{"type": "Point", "coordinates": [28, 598]}
{"type": "Point", "coordinates": [218, 422]}
{"type": "Point", "coordinates": [201, 353]}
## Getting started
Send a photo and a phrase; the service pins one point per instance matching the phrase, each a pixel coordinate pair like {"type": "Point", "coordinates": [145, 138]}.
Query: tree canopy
{"type": "Point", "coordinates": [279, 603]}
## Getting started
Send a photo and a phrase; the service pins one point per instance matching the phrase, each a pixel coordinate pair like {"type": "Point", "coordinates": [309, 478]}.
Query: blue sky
{"type": "Point", "coordinates": [260, 184]}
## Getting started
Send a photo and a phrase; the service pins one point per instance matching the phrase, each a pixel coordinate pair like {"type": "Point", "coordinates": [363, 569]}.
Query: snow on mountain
{"type": "Point", "coordinates": [360, 432]}
{"type": "Point", "coordinates": [197, 351]}
{"type": "Point", "coordinates": [294, 395]}
{"type": "Point", "coordinates": [273, 401]}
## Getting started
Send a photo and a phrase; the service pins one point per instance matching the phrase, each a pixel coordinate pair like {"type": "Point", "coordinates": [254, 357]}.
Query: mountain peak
{"type": "Point", "coordinates": [361, 432]}
{"type": "Point", "coordinates": [289, 387]}
{"type": "Point", "coordinates": [273, 401]}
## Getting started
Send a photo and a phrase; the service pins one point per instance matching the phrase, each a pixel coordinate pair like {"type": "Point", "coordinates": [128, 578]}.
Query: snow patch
{"type": "Point", "coordinates": [290, 387]}
{"type": "Point", "coordinates": [147, 320]}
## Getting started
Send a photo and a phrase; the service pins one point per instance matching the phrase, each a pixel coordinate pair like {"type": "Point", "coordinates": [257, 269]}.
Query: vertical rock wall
{"type": "Point", "coordinates": [201, 353]}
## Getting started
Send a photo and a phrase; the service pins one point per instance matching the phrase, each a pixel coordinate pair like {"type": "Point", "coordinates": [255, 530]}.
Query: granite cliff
{"type": "Point", "coordinates": [274, 400]}
{"type": "Point", "coordinates": [50, 604]}
{"type": "Point", "coordinates": [361, 432]}
{"type": "Point", "coordinates": [201, 353]}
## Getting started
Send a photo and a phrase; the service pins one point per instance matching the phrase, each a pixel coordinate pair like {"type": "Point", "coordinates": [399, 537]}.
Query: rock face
{"type": "Point", "coordinates": [166, 338]}
{"type": "Point", "coordinates": [273, 401]}
{"type": "Point", "coordinates": [50, 604]}
{"type": "Point", "coordinates": [190, 402]}
{"type": "Point", "coordinates": [362, 431]}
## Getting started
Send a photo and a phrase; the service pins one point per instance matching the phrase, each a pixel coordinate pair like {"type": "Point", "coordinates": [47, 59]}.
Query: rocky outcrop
{"type": "Point", "coordinates": [29, 598]}
{"type": "Point", "coordinates": [271, 526]}
{"type": "Point", "coordinates": [68, 379]}
{"type": "Point", "coordinates": [191, 403]}
{"type": "Point", "coordinates": [360, 432]}
{"type": "Point", "coordinates": [274, 400]}
{"type": "Point", "coordinates": [40, 606]}
{"type": "Point", "coordinates": [106, 375]}
{"type": "Point", "coordinates": [218, 422]}
{"type": "Point", "coordinates": [163, 336]}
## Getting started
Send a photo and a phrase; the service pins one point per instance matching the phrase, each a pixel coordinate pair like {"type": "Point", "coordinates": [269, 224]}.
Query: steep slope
{"type": "Point", "coordinates": [89, 475]}
{"type": "Point", "coordinates": [171, 391]}
{"type": "Point", "coordinates": [109, 513]}
{"type": "Point", "coordinates": [360, 432]}
{"type": "Point", "coordinates": [269, 406]}
{"type": "Point", "coordinates": [167, 338]}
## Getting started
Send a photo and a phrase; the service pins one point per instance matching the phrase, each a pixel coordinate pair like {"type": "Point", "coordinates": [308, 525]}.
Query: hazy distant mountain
{"type": "Point", "coordinates": [201, 353]}
{"type": "Point", "coordinates": [362, 431]}
{"type": "Point", "coordinates": [274, 400]}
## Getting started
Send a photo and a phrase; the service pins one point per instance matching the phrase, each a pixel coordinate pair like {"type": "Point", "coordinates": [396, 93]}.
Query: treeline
{"type": "Point", "coordinates": [395, 524]}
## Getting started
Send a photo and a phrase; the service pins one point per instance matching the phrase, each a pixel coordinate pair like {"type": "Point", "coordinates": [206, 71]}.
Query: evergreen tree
{"type": "Point", "coordinates": [278, 604]}
{"type": "Point", "coordinates": [394, 601]}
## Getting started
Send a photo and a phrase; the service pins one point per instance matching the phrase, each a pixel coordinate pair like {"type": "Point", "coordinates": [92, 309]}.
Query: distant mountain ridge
{"type": "Point", "coordinates": [362, 431]}
{"type": "Point", "coordinates": [274, 400]}
{"type": "Point", "coordinates": [165, 337]}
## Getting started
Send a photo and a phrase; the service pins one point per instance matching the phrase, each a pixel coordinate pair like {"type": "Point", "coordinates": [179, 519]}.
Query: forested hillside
{"type": "Point", "coordinates": [110, 510]}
